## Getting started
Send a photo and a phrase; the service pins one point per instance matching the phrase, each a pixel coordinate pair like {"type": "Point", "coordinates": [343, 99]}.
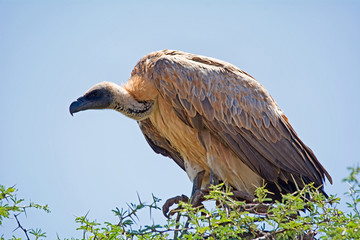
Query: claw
{"type": "Point", "coordinates": [198, 197]}
{"type": "Point", "coordinates": [172, 201]}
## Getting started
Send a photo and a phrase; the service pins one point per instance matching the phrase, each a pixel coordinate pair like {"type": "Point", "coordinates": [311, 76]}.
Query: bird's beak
{"type": "Point", "coordinates": [79, 105]}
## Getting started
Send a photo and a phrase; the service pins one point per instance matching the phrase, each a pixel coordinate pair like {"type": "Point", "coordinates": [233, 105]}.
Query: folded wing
{"type": "Point", "coordinates": [210, 94]}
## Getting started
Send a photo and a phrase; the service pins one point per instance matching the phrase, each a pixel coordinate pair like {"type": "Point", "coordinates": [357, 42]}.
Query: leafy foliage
{"type": "Point", "coordinates": [10, 205]}
{"type": "Point", "coordinates": [224, 217]}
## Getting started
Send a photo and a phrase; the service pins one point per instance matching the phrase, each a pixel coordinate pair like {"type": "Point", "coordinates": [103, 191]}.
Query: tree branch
{"type": "Point", "coordinates": [21, 227]}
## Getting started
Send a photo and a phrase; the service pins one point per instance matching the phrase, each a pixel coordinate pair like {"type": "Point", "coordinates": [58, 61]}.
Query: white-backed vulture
{"type": "Point", "coordinates": [211, 118]}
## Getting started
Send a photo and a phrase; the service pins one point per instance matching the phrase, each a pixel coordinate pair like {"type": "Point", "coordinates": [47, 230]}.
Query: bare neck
{"type": "Point", "coordinates": [125, 103]}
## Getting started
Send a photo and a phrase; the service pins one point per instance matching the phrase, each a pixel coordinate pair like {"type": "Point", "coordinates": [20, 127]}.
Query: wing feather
{"type": "Point", "coordinates": [237, 110]}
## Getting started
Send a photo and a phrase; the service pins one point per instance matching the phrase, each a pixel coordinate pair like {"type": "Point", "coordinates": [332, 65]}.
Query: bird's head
{"type": "Point", "coordinates": [100, 96]}
{"type": "Point", "coordinates": [107, 95]}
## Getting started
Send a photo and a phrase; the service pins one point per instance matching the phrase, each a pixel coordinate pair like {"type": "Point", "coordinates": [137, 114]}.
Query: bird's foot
{"type": "Point", "coordinates": [172, 201]}
{"type": "Point", "coordinates": [251, 205]}
{"type": "Point", "coordinates": [198, 197]}
{"type": "Point", "coordinates": [240, 195]}
{"type": "Point", "coordinates": [196, 201]}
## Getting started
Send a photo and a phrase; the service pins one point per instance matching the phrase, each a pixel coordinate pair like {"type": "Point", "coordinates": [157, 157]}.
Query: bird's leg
{"type": "Point", "coordinates": [197, 182]}
{"type": "Point", "coordinates": [214, 180]}
{"type": "Point", "coordinates": [197, 193]}
{"type": "Point", "coordinates": [196, 196]}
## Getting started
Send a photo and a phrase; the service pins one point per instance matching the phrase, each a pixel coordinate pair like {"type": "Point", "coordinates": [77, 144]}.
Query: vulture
{"type": "Point", "coordinates": [214, 120]}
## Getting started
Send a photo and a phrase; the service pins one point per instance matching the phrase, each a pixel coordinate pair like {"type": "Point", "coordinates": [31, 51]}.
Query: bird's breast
{"type": "Point", "coordinates": [181, 136]}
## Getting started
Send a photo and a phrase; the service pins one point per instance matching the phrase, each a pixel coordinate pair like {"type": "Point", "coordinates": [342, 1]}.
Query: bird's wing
{"type": "Point", "coordinates": [158, 143]}
{"type": "Point", "coordinates": [210, 94]}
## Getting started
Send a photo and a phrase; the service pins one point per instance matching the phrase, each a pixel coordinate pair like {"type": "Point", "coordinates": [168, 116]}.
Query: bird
{"type": "Point", "coordinates": [215, 121]}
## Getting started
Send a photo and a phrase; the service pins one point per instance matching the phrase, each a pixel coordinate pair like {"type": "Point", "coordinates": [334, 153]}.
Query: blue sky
{"type": "Point", "coordinates": [306, 53]}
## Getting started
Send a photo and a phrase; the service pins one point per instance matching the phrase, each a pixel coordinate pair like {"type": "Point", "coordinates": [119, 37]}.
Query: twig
{"type": "Point", "coordinates": [177, 225]}
{"type": "Point", "coordinates": [21, 227]}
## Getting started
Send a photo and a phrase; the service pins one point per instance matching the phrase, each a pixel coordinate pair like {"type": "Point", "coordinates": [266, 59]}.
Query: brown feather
{"type": "Point", "coordinates": [216, 116]}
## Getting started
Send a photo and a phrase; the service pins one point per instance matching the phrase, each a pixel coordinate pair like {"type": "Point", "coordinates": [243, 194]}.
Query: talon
{"type": "Point", "coordinates": [172, 201]}
{"type": "Point", "coordinates": [198, 197]}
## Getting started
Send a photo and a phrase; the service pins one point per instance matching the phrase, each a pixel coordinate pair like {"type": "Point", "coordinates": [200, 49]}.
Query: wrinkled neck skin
{"type": "Point", "coordinates": [125, 103]}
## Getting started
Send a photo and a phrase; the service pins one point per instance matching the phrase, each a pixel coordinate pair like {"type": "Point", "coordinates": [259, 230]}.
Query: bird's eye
{"type": "Point", "coordinates": [93, 94]}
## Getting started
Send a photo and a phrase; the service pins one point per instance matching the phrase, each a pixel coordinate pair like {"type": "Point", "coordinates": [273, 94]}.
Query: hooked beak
{"type": "Point", "coordinates": [78, 105]}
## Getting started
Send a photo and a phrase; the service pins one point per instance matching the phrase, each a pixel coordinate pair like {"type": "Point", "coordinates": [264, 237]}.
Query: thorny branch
{"type": "Point", "coordinates": [21, 227]}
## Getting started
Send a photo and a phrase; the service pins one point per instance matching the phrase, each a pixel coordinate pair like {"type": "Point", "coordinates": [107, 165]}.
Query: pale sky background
{"type": "Point", "coordinates": [306, 53]}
